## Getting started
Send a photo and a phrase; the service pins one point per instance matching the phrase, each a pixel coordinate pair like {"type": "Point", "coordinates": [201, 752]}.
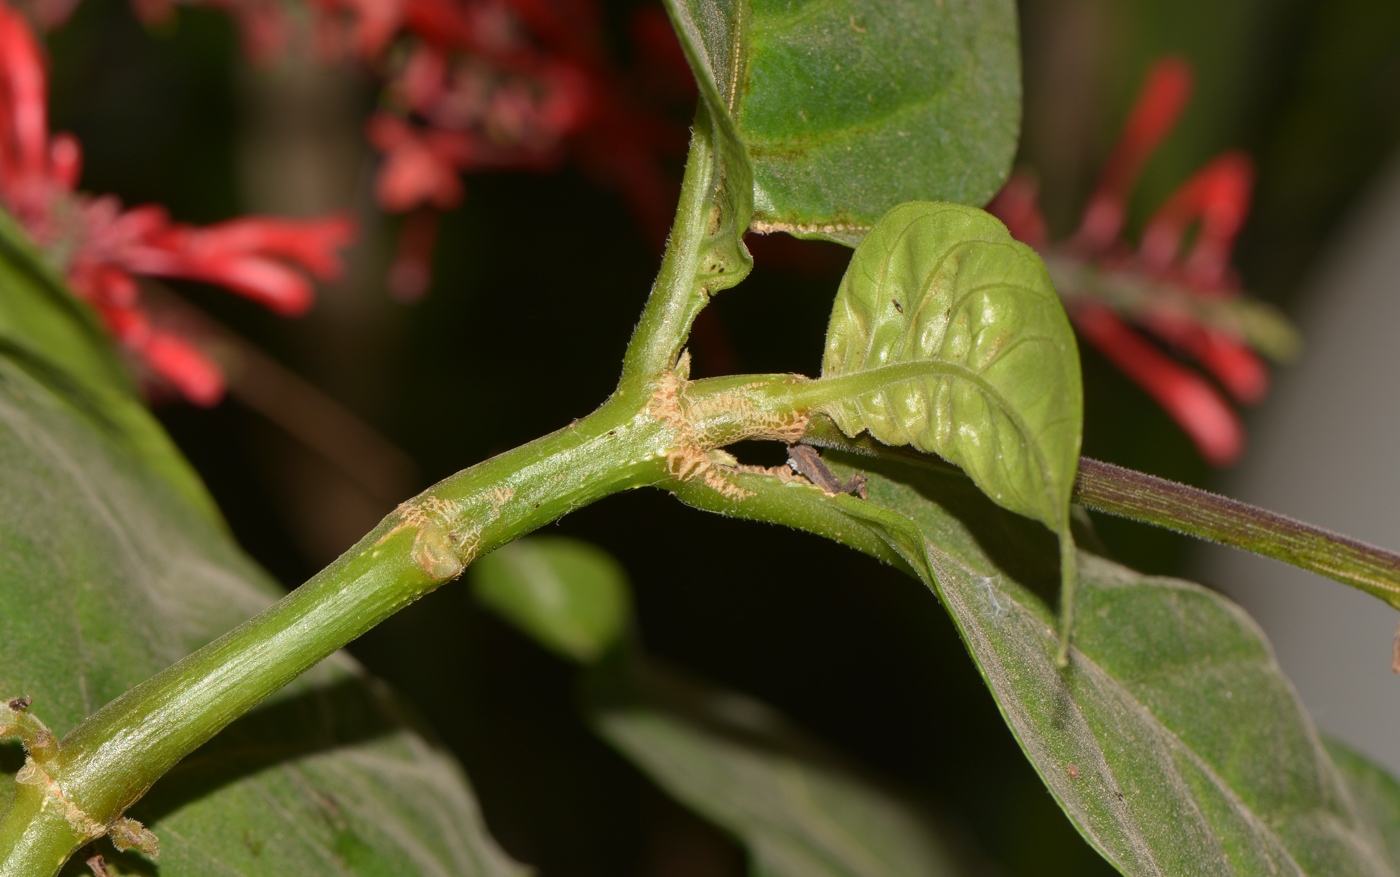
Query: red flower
{"type": "Point", "coordinates": [1189, 300]}
{"type": "Point", "coordinates": [103, 248]}
{"type": "Point", "coordinates": [512, 84]}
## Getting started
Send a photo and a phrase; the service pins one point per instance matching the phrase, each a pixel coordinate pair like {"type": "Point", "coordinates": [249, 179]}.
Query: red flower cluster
{"type": "Point", "coordinates": [103, 248]}
{"type": "Point", "coordinates": [480, 85]}
{"type": "Point", "coordinates": [508, 84]}
{"type": "Point", "coordinates": [1181, 295]}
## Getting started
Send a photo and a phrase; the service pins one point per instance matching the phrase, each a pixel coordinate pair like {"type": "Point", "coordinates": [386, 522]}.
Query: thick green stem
{"type": "Point", "coordinates": [109, 761]}
{"type": "Point", "coordinates": [704, 254]}
{"type": "Point", "coordinates": [38, 838]}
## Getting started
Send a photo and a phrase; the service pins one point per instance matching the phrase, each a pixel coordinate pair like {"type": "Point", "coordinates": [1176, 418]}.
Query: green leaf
{"type": "Point", "coordinates": [1172, 740]}
{"type": "Point", "coordinates": [1376, 793]}
{"type": "Point", "coordinates": [950, 338]}
{"type": "Point", "coordinates": [109, 573]}
{"type": "Point", "coordinates": [572, 597]}
{"type": "Point", "coordinates": [801, 810]}
{"type": "Point", "coordinates": [57, 339]}
{"type": "Point", "coordinates": [848, 107]}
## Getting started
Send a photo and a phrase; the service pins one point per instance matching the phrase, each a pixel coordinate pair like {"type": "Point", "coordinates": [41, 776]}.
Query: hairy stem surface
{"type": "Point", "coordinates": [1205, 515]}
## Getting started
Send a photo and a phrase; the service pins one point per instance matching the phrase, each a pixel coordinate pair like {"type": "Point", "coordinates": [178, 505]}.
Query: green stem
{"type": "Point", "coordinates": [704, 254]}
{"type": "Point", "coordinates": [1194, 512]}
{"type": "Point", "coordinates": [109, 761]}
{"type": "Point", "coordinates": [1099, 486]}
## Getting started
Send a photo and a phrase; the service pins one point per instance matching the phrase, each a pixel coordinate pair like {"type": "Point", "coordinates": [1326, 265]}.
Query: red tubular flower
{"type": "Point", "coordinates": [1018, 206]}
{"type": "Point", "coordinates": [1238, 368]}
{"type": "Point", "coordinates": [1210, 422]}
{"type": "Point", "coordinates": [24, 135]}
{"type": "Point", "coordinates": [311, 244]}
{"type": "Point", "coordinates": [419, 168]}
{"type": "Point", "coordinates": [185, 366]}
{"type": "Point", "coordinates": [175, 360]}
{"type": "Point", "coordinates": [103, 247]}
{"type": "Point", "coordinates": [1159, 105]}
{"type": "Point", "coordinates": [1159, 288]}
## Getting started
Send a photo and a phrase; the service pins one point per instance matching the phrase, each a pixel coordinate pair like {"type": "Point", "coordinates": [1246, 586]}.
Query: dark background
{"type": "Point", "coordinates": [538, 282]}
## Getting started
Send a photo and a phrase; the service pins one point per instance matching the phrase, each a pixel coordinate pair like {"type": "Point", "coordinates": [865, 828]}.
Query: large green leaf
{"type": "Point", "coordinates": [109, 572]}
{"type": "Point", "coordinates": [1376, 793]}
{"type": "Point", "coordinates": [849, 107]}
{"type": "Point", "coordinates": [1172, 739]}
{"type": "Point", "coordinates": [801, 810]}
{"type": "Point", "coordinates": [46, 331]}
{"type": "Point", "coordinates": [952, 339]}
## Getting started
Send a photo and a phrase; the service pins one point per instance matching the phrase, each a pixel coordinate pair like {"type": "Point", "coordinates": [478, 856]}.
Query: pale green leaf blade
{"type": "Point", "coordinates": [799, 809]}
{"type": "Point", "coordinates": [572, 597]}
{"type": "Point", "coordinates": [849, 107]}
{"type": "Point", "coordinates": [109, 573]}
{"type": "Point", "coordinates": [949, 337]}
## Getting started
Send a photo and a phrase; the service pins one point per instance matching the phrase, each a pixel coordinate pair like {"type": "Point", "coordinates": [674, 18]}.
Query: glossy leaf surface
{"type": "Point", "coordinates": [950, 338]}
{"type": "Point", "coordinates": [1172, 740]}
{"type": "Point", "coordinates": [569, 595]}
{"type": "Point", "coordinates": [800, 810]}
{"type": "Point", "coordinates": [849, 107]}
{"type": "Point", "coordinates": [109, 573]}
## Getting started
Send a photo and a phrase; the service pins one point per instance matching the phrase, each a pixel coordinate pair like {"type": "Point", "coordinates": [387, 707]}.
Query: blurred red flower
{"type": "Point", "coordinates": [1186, 296]}
{"type": "Point", "coordinates": [102, 247]}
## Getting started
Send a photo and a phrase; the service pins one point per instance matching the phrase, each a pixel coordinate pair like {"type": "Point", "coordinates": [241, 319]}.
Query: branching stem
{"type": "Point", "coordinates": [83, 784]}
{"type": "Point", "coordinates": [108, 762]}
{"type": "Point", "coordinates": [1117, 491]}
{"type": "Point", "coordinates": [704, 254]}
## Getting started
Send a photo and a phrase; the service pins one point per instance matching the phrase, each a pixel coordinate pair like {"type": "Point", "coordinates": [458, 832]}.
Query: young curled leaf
{"type": "Point", "coordinates": [948, 335]}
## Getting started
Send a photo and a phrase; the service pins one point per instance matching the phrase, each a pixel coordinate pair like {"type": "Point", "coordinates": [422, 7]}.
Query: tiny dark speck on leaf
{"type": "Point", "coordinates": [19, 704]}
{"type": "Point", "coordinates": [897, 306]}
